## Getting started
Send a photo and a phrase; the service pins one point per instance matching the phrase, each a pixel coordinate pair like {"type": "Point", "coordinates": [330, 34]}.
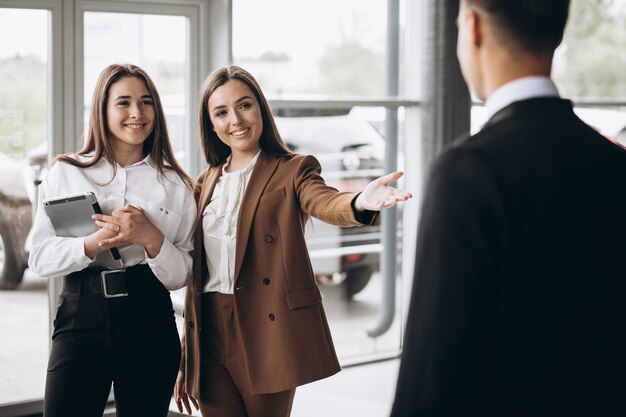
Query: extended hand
{"type": "Point", "coordinates": [378, 195]}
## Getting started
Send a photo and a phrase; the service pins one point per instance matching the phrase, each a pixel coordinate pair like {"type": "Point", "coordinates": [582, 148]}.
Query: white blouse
{"type": "Point", "coordinates": [167, 202]}
{"type": "Point", "coordinates": [219, 224]}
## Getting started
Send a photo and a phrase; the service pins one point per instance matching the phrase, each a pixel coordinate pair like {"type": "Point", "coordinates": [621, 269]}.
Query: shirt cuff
{"type": "Point", "coordinates": [159, 264]}
{"type": "Point", "coordinates": [78, 246]}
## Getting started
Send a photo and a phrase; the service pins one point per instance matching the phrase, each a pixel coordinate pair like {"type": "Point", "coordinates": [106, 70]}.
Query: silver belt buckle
{"type": "Point", "coordinates": [103, 276]}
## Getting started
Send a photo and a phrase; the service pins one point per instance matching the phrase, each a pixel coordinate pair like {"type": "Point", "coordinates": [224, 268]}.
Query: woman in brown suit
{"type": "Point", "coordinates": [255, 328]}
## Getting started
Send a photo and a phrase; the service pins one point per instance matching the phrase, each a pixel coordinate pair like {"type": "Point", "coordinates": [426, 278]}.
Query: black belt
{"type": "Point", "coordinates": [113, 283]}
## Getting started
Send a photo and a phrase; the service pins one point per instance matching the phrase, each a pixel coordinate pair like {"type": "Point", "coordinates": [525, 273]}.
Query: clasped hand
{"type": "Point", "coordinates": [125, 226]}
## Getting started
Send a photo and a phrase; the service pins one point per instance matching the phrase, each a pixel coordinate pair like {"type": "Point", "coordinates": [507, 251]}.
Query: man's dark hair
{"type": "Point", "coordinates": [533, 25]}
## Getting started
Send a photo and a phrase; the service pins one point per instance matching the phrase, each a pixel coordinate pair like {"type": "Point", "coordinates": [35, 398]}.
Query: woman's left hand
{"type": "Point", "coordinates": [132, 226]}
{"type": "Point", "coordinates": [378, 195]}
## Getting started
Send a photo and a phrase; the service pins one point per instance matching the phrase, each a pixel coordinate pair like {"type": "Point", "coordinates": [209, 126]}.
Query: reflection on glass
{"type": "Point", "coordinates": [24, 90]}
{"type": "Point", "coordinates": [158, 44]}
{"type": "Point", "coordinates": [326, 47]}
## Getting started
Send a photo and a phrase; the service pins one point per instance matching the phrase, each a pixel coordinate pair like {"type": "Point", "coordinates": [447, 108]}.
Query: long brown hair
{"type": "Point", "coordinates": [216, 151]}
{"type": "Point", "coordinates": [157, 144]}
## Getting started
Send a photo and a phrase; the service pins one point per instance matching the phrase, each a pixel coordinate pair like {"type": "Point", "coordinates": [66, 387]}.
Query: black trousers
{"type": "Point", "coordinates": [130, 342]}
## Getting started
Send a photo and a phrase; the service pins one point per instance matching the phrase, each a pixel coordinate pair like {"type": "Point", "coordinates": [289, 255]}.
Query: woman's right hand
{"type": "Point", "coordinates": [181, 397]}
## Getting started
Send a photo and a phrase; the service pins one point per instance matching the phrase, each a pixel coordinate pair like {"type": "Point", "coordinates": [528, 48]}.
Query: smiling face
{"type": "Point", "coordinates": [130, 116]}
{"type": "Point", "coordinates": [236, 117]}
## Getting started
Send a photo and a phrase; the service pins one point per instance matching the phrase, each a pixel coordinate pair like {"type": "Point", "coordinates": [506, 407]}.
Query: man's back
{"type": "Point", "coordinates": [520, 299]}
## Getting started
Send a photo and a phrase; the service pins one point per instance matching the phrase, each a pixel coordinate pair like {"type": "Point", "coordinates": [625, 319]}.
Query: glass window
{"type": "Point", "coordinates": [326, 47]}
{"type": "Point", "coordinates": [158, 44]}
{"type": "Point", "coordinates": [591, 60]}
{"type": "Point", "coordinates": [347, 262]}
{"type": "Point", "coordinates": [301, 51]}
{"type": "Point", "coordinates": [24, 127]}
{"type": "Point", "coordinates": [590, 64]}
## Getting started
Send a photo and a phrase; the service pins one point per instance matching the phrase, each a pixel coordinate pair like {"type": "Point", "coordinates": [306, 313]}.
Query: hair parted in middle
{"type": "Point", "coordinates": [216, 151]}
{"type": "Point", "coordinates": [157, 144]}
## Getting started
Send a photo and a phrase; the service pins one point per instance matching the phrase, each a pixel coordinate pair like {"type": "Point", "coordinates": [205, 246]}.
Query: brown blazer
{"type": "Point", "coordinates": [273, 274]}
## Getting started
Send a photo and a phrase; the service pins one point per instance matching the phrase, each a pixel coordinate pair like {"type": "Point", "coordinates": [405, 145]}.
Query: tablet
{"type": "Point", "coordinates": [71, 216]}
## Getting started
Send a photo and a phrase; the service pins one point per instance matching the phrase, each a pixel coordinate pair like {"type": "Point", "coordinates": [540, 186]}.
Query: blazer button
{"type": "Point", "coordinates": [189, 323]}
{"type": "Point", "coordinates": [266, 281]}
{"type": "Point", "coordinates": [271, 316]}
{"type": "Point", "coordinates": [240, 288]}
{"type": "Point", "coordinates": [269, 239]}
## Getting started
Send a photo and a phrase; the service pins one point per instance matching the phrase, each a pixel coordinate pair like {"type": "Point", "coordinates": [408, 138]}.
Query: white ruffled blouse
{"type": "Point", "coordinates": [219, 224]}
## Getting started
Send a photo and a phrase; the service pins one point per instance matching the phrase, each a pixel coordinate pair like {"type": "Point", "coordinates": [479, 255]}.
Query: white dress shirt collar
{"type": "Point", "coordinates": [520, 89]}
{"type": "Point", "coordinates": [245, 170]}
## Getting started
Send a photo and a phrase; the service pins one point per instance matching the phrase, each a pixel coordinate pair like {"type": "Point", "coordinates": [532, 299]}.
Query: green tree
{"type": "Point", "coordinates": [351, 69]}
{"type": "Point", "coordinates": [591, 61]}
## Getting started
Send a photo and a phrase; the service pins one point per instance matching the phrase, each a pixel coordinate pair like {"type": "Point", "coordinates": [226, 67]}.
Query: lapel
{"type": "Point", "coordinates": [263, 170]}
{"type": "Point", "coordinates": [208, 185]}
{"type": "Point", "coordinates": [207, 189]}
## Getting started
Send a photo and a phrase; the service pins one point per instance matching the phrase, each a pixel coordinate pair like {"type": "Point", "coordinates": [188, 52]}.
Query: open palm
{"type": "Point", "coordinates": [378, 194]}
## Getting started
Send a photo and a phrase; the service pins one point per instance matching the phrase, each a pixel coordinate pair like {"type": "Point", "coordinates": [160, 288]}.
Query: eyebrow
{"type": "Point", "coordinates": [221, 106]}
{"type": "Point", "coordinates": [127, 97]}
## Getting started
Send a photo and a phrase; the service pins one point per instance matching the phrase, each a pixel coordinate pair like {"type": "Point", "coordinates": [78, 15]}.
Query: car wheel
{"type": "Point", "coordinates": [356, 280]}
{"type": "Point", "coordinates": [11, 269]}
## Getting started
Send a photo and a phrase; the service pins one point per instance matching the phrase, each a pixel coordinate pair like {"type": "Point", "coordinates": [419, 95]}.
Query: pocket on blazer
{"type": "Point", "coordinates": [273, 196]}
{"type": "Point", "coordinates": [305, 297]}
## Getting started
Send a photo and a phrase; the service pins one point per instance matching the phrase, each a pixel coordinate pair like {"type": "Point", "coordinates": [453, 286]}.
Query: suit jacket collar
{"type": "Point", "coordinates": [533, 108]}
{"type": "Point", "coordinates": [206, 191]}
{"type": "Point", "coordinates": [263, 170]}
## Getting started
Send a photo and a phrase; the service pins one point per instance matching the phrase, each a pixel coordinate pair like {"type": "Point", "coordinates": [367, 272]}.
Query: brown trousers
{"type": "Point", "coordinates": [225, 386]}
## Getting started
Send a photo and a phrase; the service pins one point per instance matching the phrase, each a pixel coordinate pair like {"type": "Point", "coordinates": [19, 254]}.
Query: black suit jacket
{"type": "Point", "coordinates": [519, 300]}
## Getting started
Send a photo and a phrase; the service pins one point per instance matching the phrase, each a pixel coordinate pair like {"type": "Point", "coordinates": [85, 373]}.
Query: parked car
{"type": "Point", "coordinates": [16, 192]}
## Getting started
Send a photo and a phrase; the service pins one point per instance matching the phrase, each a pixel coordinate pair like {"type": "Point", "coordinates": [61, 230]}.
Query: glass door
{"type": "Point", "coordinates": [25, 126]}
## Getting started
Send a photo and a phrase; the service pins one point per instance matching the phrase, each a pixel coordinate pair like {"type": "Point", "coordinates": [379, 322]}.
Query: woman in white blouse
{"type": "Point", "coordinates": [115, 322]}
{"type": "Point", "coordinates": [255, 328]}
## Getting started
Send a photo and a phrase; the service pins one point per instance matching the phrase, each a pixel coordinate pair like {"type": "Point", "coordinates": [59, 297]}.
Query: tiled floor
{"type": "Point", "coordinates": [363, 391]}
{"type": "Point", "coordinates": [360, 391]}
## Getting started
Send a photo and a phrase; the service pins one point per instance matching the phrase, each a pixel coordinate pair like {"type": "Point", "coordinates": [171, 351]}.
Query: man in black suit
{"type": "Point", "coordinates": [519, 301]}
